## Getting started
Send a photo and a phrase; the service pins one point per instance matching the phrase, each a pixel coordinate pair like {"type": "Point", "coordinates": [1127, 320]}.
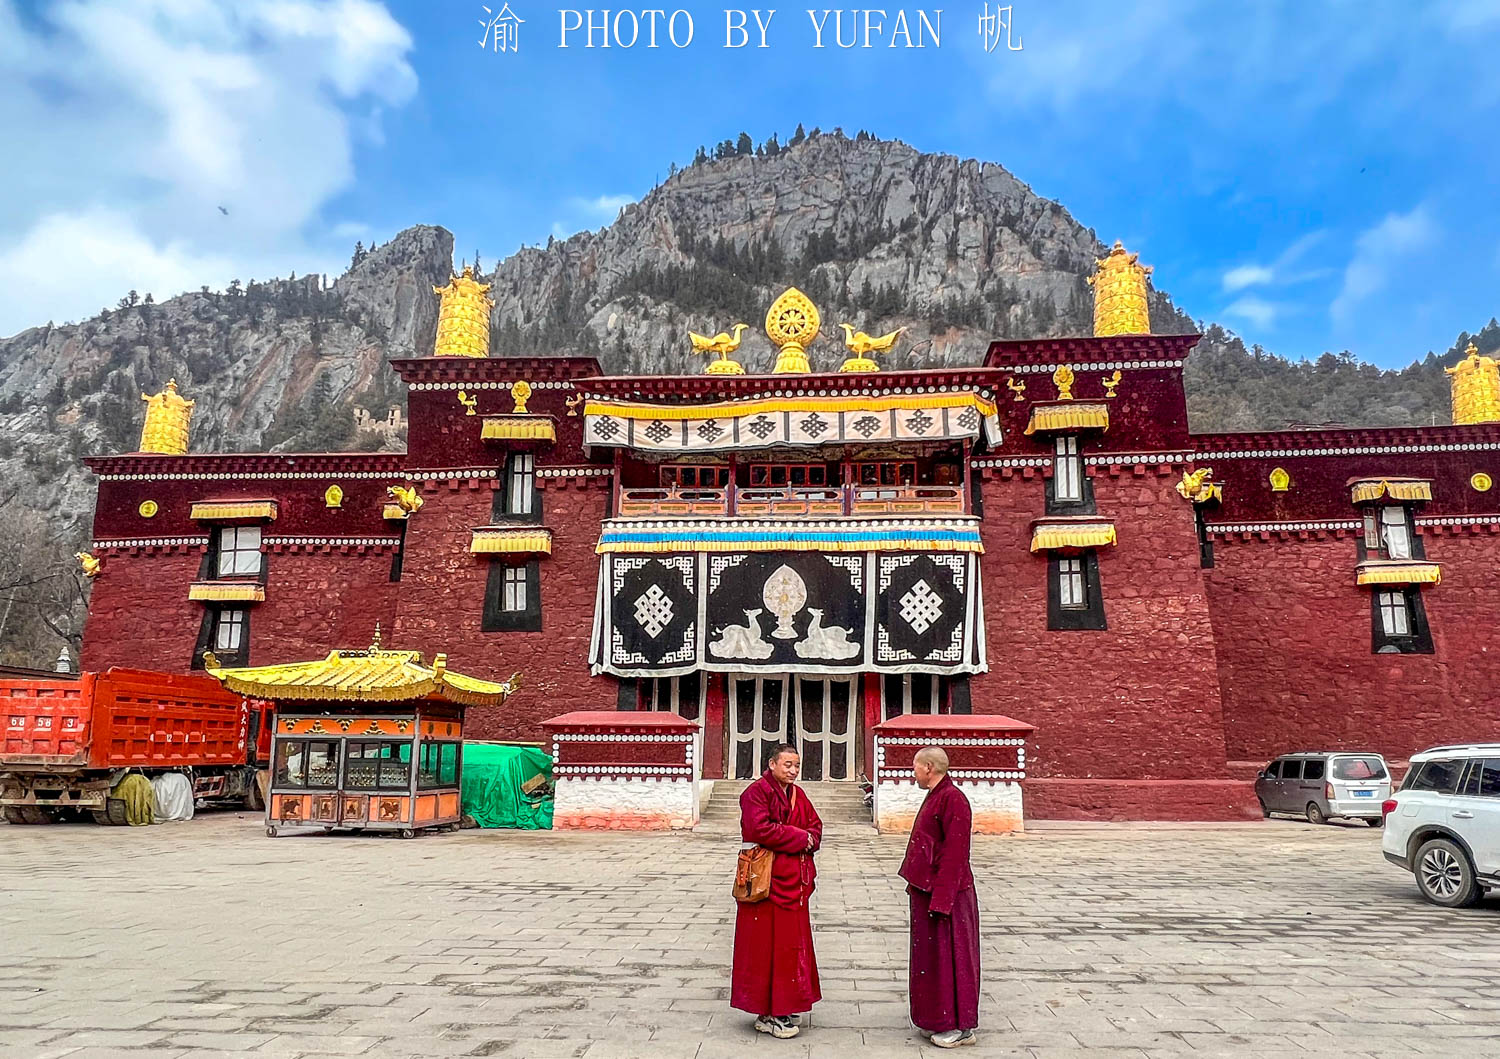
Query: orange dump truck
{"type": "Point", "coordinates": [64, 743]}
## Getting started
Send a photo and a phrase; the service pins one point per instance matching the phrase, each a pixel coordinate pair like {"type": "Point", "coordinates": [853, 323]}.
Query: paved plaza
{"type": "Point", "coordinates": [207, 938]}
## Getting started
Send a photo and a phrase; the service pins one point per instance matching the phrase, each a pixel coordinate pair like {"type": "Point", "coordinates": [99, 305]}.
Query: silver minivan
{"type": "Point", "coordinates": [1321, 784]}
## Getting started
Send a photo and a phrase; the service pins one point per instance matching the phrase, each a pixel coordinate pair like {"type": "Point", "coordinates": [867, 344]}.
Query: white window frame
{"type": "Point", "coordinates": [239, 551]}
{"type": "Point", "coordinates": [1072, 584]}
{"type": "Point", "coordinates": [1394, 609]}
{"type": "Point", "coordinates": [1067, 470]}
{"type": "Point", "coordinates": [520, 487]}
{"type": "Point", "coordinates": [229, 630]}
{"type": "Point", "coordinates": [513, 590]}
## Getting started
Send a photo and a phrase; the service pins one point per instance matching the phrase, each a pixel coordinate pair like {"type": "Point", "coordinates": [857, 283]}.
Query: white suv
{"type": "Point", "coordinates": [1443, 825]}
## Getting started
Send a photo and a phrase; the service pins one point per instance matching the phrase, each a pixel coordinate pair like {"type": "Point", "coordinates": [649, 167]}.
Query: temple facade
{"type": "Point", "coordinates": [803, 554]}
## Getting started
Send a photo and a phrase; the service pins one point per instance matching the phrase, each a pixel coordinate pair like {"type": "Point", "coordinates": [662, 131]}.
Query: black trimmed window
{"type": "Point", "coordinates": [521, 501]}
{"type": "Point", "coordinates": [225, 630]}
{"type": "Point", "coordinates": [238, 552]}
{"type": "Point", "coordinates": [1399, 622]}
{"type": "Point", "coordinates": [513, 598]}
{"type": "Point", "coordinates": [1389, 533]}
{"type": "Point", "coordinates": [308, 764]}
{"type": "Point", "coordinates": [1068, 490]}
{"type": "Point", "coordinates": [1074, 599]}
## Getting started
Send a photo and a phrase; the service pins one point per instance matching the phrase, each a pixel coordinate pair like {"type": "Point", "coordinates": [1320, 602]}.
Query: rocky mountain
{"type": "Point", "coordinates": [877, 233]}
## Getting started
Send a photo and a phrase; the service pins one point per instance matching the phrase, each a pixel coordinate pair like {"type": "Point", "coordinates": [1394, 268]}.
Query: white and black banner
{"type": "Point", "coordinates": [788, 612]}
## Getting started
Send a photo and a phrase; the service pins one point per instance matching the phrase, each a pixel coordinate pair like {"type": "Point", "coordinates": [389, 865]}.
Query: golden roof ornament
{"type": "Point", "coordinates": [463, 328]}
{"type": "Point", "coordinates": [1476, 388]}
{"type": "Point", "coordinates": [1199, 486]}
{"type": "Point", "coordinates": [520, 393]}
{"type": "Point", "coordinates": [792, 323]}
{"type": "Point", "coordinates": [88, 564]}
{"type": "Point", "coordinates": [721, 344]}
{"type": "Point", "coordinates": [1062, 377]}
{"type": "Point", "coordinates": [168, 417]}
{"type": "Point", "coordinates": [862, 345]}
{"type": "Point", "coordinates": [406, 497]}
{"type": "Point", "coordinates": [1120, 306]}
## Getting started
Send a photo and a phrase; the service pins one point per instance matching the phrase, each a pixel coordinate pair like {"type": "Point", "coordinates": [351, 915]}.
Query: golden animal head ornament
{"type": "Point", "coordinates": [89, 564]}
{"type": "Point", "coordinates": [406, 498]}
{"type": "Point", "coordinates": [1198, 486]}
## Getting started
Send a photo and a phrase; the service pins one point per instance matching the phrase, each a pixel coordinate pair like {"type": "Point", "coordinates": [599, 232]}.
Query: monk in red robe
{"type": "Point", "coordinates": [775, 976]}
{"type": "Point", "coordinates": [944, 912]}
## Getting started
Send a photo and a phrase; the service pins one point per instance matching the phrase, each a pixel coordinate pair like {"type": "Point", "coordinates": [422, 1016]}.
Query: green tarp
{"type": "Point", "coordinates": [493, 779]}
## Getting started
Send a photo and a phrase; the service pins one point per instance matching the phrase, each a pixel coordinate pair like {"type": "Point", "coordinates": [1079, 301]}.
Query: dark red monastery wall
{"type": "Point", "coordinates": [442, 602]}
{"type": "Point", "coordinates": [1136, 701]}
{"type": "Point", "coordinates": [1296, 668]}
{"type": "Point", "coordinates": [319, 600]}
{"type": "Point", "coordinates": [139, 613]}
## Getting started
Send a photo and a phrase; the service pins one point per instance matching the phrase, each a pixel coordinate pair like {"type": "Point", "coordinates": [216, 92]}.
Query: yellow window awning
{"type": "Point", "coordinates": [224, 510]}
{"type": "Point", "coordinates": [1398, 572]}
{"type": "Point", "coordinates": [1068, 415]}
{"type": "Point", "coordinates": [374, 675]}
{"type": "Point", "coordinates": [511, 540]}
{"type": "Point", "coordinates": [227, 591]}
{"type": "Point", "coordinates": [519, 428]}
{"type": "Point", "coordinates": [1050, 534]}
{"type": "Point", "coordinates": [1364, 490]}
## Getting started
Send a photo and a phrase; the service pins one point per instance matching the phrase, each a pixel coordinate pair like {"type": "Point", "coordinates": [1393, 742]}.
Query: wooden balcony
{"type": "Point", "coordinates": [792, 501]}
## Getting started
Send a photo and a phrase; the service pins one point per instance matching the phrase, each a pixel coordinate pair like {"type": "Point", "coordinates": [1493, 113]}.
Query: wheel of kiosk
{"type": "Point", "coordinates": [406, 832]}
{"type": "Point", "coordinates": [270, 831]}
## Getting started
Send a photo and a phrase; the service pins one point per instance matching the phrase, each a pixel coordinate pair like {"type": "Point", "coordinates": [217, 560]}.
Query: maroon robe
{"type": "Point", "coordinates": [944, 913]}
{"type": "Point", "coordinates": [774, 971]}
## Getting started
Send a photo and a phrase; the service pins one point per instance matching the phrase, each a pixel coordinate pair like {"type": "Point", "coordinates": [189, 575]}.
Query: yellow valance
{"type": "Point", "coordinates": [223, 510]}
{"type": "Point", "coordinates": [772, 405]}
{"type": "Point", "coordinates": [1068, 415]}
{"type": "Point", "coordinates": [1398, 573]}
{"type": "Point", "coordinates": [506, 540]}
{"type": "Point", "coordinates": [393, 511]}
{"type": "Point", "coordinates": [227, 591]}
{"type": "Point", "coordinates": [519, 428]}
{"type": "Point", "coordinates": [364, 676]}
{"type": "Point", "coordinates": [1364, 490]}
{"type": "Point", "coordinates": [1085, 533]}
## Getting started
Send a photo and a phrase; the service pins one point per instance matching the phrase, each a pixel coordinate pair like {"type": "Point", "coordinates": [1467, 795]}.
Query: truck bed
{"type": "Point", "coordinates": [120, 718]}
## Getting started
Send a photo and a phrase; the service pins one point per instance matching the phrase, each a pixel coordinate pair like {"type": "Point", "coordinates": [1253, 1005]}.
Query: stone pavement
{"type": "Point", "coordinates": [207, 938]}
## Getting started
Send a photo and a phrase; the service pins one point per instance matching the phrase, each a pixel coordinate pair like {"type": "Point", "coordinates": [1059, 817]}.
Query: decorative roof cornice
{"type": "Point", "coordinates": [1353, 441]}
{"type": "Point", "coordinates": [477, 371]}
{"type": "Point", "coordinates": [1130, 350]}
{"type": "Point", "coordinates": [823, 384]}
{"type": "Point", "coordinates": [244, 465]}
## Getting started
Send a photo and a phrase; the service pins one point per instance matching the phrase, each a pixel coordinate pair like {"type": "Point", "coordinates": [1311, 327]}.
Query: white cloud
{"type": "Point", "coordinates": [1243, 276]}
{"type": "Point", "coordinates": [584, 213]}
{"type": "Point", "coordinates": [1258, 311]}
{"type": "Point", "coordinates": [167, 136]}
{"type": "Point", "coordinates": [1378, 252]}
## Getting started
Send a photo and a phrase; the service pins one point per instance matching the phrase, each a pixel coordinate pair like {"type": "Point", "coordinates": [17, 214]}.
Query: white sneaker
{"type": "Point", "coordinates": [955, 1038]}
{"type": "Point", "coordinates": [776, 1027]}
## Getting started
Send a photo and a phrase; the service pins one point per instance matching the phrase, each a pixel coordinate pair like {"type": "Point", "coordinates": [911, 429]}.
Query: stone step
{"type": "Point", "coordinates": [838, 803]}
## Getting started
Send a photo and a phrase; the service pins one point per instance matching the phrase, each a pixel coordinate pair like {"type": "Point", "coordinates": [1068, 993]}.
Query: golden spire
{"type": "Point", "coordinates": [167, 419]}
{"type": "Point", "coordinates": [463, 328]}
{"type": "Point", "coordinates": [1120, 294]}
{"type": "Point", "coordinates": [792, 323]}
{"type": "Point", "coordinates": [1476, 388]}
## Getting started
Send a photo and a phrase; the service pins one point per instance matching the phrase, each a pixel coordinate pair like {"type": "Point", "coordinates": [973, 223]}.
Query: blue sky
{"type": "Point", "coordinates": [1315, 175]}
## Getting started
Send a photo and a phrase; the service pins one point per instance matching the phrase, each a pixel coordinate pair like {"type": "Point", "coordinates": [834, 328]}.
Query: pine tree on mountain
{"type": "Point", "coordinates": [701, 156]}
{"type": "Point", "coordinates": [359, 253]}
{"type": "Point", "coordinates": [797, 137]}
{"type": "Point", "coordinates": [744, 145]}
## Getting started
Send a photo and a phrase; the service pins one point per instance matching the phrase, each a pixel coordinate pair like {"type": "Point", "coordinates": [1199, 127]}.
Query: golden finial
{"type": "Point", "coordinates": [722, 344]}
{"type": "Point", "coordinates": [1017, 387]}
{"type": "Point", "coordinates": [334, 497]}
{"type": "Point", "coordinates": [1199, 487]}
{"type": "Point", "coordinates": [1476, 388]}
{"type": "Point", "coordinates": [168, 417]}
{"type": "Point", "coordinates": [463, 328]}
{"type": "Point", "coordinates": [1062, 378]}
{"type": "Point", "coordinates": [1110, 382]}
{"type": "Point", "coordinates": [792, 323]}
{"type": "Point", "coordinates": [375, 641]}
{"type": "Point", "coordinates": [1120, 306]}
{"type": "Point", "coordinates": [470, 403]}
{"type": "Point", "coordinates": [573, 403]}
{"type": "Point", "coordinates": [520, 393]}
{"type": "Point", "coordinates": [407, 498]}
{"type": "Point", "coordinates": [862, 345]}
{"type": "Point", "coordinates": [89, 564]}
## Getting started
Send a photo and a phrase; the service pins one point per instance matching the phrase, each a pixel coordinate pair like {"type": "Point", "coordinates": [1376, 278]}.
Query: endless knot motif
{"type": "Point", "coordinates": [653, 609]}
{"type": "Point", "coordinates": [920, 423]}
{"type": "Point", "coordinates": [606, 428]}
{"type": "Point", "coordinates": [710, 430]}
{"type": "Point", "coordinates": [968, 419]}
{"type": "Point", "coordinates": [763, 427]}
{"type": "Point", "coordinates": [866, 425]}
{"type": "Point", "coordinates": [658, 431]}
{"type": "Point", "coordinates": [814, 426]}
{"type": "Point", "coordinates": [921, 606]}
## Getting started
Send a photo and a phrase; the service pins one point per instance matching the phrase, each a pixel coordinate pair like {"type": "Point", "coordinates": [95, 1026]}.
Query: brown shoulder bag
{"type": "Point", "coordinates": [752, 875]}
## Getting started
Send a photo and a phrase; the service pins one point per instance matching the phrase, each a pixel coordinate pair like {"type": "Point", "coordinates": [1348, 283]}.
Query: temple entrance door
{"type": "Point", "coordinates": [814, 714]}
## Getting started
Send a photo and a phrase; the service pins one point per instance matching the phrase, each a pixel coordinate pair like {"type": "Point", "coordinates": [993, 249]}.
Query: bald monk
{"type": "Point", "coordinates": [944, 911]}
{"type": "Point", "coordinates": [775, 975]}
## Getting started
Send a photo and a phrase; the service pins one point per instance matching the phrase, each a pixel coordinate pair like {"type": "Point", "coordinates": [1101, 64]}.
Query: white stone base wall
{"type": "Point", "coordinates": [621, 803]}
{"type": "Point", "coordinates": [996, 805]}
